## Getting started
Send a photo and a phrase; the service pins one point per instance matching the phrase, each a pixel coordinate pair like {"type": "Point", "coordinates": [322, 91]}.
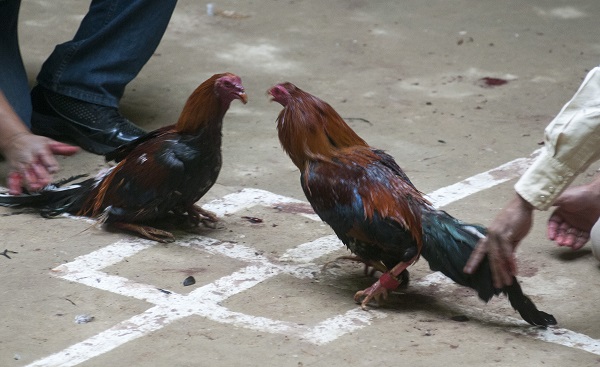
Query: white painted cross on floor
{"type": "Point", "coordinates": [207, 301]}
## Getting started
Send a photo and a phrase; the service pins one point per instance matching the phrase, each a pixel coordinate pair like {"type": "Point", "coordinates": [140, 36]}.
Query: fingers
{"type": "Point", "coordinates": [503, 265]}
{"type": "Point", "coordinates": [39, 172]}
{"type": "Point", "coordinates": [502, 261]}
{"type": "Point", "coordinates": [476, 257]}
{"type": "Point", "coordinates": [564, 234]}
{"type": "Point", "coordinates": [40, 177]}
{"type": "Point", "coordinates": [553, 223]}
{"type": "Point", "coordinates": [34, 176]}
{"type": "Point", "coordinates": [501, 258]}
{"type": "Point", "coordinates": [49, 162]}
{"type": "Point", "coordinates": [15, 181]}
{"type": "Point", "coordinates": [31, 180]}
{"type": "Point", "coordinates": [62, 148]}
{"type": "Point", "coordinates": [571, 237]}
{"type": "Point", "coordinates": [580, 241]}
{"type": "Point", "coordinates": [32, 162]}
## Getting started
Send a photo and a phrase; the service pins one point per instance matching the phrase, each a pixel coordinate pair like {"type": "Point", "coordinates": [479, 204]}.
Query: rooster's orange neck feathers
{"type": "Point", "coordinates": [201, 108]}
{"type": "Point", "coordinates": [318, 132]}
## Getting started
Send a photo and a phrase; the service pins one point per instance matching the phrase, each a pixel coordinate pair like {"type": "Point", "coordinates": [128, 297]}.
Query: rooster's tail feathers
{"type": "Point", "coordinates": [525, 306]}
{"type": "Point", "coordinates": [52, 200]}
{"type": "Point", "coordinates": [447, 246]}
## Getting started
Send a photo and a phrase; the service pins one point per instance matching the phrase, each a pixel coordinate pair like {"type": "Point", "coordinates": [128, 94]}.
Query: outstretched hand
{"type": "Point", "coordinates": [577, 209]}
{"type": "Point", "coordinates": [504, 235]}
{"type": "Point", "coordinates": [31, 161]}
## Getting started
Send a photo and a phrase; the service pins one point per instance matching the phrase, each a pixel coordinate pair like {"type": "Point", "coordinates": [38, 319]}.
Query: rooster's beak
{"type": "Point", "coordinates": [243, 97]}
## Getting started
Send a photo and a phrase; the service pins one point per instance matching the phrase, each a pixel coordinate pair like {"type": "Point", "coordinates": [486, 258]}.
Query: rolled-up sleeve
{"type": "Point", "coordinates": [571, 144]}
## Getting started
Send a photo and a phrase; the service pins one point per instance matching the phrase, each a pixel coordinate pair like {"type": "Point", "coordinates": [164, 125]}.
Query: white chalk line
{"type": "Point", "coordinates": [139, 325]}
{"type": "Point", "coordinates": [247, 198]}
{"type": "Point", "coordinates": [480, 182]}
{"type": "Point", "coordinates": [555, 335]}
{"type": "Point", "coordinates": [205, 301]}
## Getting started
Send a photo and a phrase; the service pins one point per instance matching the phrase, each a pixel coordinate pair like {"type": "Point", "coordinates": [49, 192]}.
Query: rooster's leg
{"type": "Point", "coordinates": [377, 266]}
{"type": "Point", "coordinates": [197, 215]}
{"type": "Point", "coordinates": [387, 282]}
{"type": "Point", "coordinates": [150, 233]}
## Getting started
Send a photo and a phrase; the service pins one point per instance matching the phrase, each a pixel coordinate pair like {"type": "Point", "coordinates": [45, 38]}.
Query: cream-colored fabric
{"type": "Point", "coordinates": [571, 144]}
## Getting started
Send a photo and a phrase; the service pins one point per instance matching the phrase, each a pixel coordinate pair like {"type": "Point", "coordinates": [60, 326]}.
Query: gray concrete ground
{"type": "Point", "coordinates": [406, 75]}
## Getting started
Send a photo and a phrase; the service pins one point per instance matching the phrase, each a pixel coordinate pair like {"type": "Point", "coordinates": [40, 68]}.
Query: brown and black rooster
{"type": "Point", "coordinates": [163, 172]}
{"type": "Point", "coordinates": [373, 207]}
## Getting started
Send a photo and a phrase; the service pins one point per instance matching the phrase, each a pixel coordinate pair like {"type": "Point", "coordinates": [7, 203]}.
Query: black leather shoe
{"type": "Point", "coordinates": [95, 128]}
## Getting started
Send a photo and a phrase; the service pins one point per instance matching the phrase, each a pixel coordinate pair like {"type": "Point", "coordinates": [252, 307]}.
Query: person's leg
{"type": "Point", "coordinates": [13, 79]}
{"type": "Point", "coordinates": [81, 83]}
{"type": "Point", "coordinates": [114, 41]}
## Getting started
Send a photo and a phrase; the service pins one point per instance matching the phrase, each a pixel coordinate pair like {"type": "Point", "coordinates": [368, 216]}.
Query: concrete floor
{"type": "Point", "coordinates": [406, 75]}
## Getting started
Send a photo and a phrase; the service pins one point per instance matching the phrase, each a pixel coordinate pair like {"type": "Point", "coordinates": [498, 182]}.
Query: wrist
{"type": "Point", "coordinates": [594, 187]}
{"type": "Point", "coordinates": [521, 202]}
{"type": "Point", "coordinates": [10, 129]}
{"type": "Point", "coordinates": [8, 142]}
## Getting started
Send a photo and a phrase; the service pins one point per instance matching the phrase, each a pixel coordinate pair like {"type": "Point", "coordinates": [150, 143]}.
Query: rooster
{"type": "Point", "coordinates": [375, 209]}
{"type": "Point", "coordinates": [163, 172]}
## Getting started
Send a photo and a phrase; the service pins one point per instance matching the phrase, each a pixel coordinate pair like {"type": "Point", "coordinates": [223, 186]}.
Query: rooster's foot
{"type": "Point", "coordinates": [197, 215]}
{"type": "Point", "coordinates": [386, 283]}
{"type": "Point", "coordinates": [370, 266]}
{"type": "Point", "coordinates": [148, 232]}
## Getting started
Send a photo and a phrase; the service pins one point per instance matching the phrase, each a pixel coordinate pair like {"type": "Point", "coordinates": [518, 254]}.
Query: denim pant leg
{"type": "Point", "coordinates": [13, 79]}
{"type": "Point", "coordinates": [114, 41]}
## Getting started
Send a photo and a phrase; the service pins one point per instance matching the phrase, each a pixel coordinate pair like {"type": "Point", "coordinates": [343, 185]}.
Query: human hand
{"type": "Point", "coordinates": [509, 227]}
{"type": "Point", "coordinates": [31, 161]}
{"type": "Point", "coordinates": [578, 208]}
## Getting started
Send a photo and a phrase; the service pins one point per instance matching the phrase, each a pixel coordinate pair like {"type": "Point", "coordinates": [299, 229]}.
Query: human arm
{"type": "Point", "coordinates": [30, 157]}
{"type": "Point", "coordinates": [571, 144]}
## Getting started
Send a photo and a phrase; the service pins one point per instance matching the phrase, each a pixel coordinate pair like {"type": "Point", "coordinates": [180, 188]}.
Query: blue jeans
{"type": "Point", "coordinates": [13, 79]}
{"type": "Point", "coordinates": [114, 41]}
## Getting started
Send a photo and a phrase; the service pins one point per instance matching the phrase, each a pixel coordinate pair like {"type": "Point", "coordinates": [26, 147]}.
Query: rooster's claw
{"type": "Point", "coordinates": [375, 291]}
{"type": "Point", "coordinates": [387, 282]}
{"type": "Point", "coordinates": [150, 233]}
{"type": "Point", "coordinates": [197, 215]}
